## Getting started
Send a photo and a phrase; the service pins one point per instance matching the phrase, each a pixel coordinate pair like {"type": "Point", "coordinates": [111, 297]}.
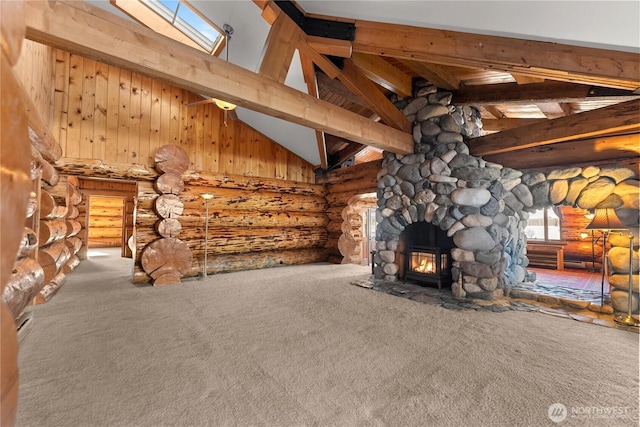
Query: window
{"type": "Point", "coordinates": [176, 19]}
{"type": "Point", "coordinates": [543, 224]}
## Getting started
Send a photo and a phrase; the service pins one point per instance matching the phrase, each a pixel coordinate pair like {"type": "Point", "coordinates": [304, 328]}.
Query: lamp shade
{"type": "Point", "coordinates": [224, 105]}
{"type": "Point", "coordinates": [206, 196]}
{"type": "Point", "coordinates": [605, 219]}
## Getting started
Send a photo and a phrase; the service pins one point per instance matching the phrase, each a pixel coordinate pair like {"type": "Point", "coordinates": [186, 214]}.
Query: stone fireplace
{"type": "Point", "coordinates": [482, 208]}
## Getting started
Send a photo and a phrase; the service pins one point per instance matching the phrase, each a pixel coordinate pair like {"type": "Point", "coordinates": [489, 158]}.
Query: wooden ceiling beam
{"type": "Point", "coordinates": [434, 73]}
{"type": "Point", "coordinates": [498, 125]}
{"type": "Point", "coordinates": [309, 74]}
{"type": "Point", "coordinates": [331, 47]}
{"type": "Point", "coordinates": [620, 117]}
{"type": "Point", "coordinates": [522, 79]}
{"type": "Point", "coordinates": [88, 31]}
{"type": "Point", "coordinates": [279, 48]}
{"type": "Point", "coordinates": [327, 67]}
{"type": "Point", "coordinates": [336, 87]}
{"type": "Point", "coordinates": [526, 57]}
{"type": "Point", "coordinates": [366, 90]}
{"type": "Point", "coordinates": [495, 112]}
{"type": "Point", "coordinates": [383, 73]}
{"type": "Point", "coordinates": [534, 93]}
{"type": "Point", "coordinates": [579, 152]}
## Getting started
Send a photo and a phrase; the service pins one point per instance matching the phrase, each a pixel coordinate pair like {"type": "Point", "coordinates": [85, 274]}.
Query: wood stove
{"type": "Point", "coordinates": [428, 264]}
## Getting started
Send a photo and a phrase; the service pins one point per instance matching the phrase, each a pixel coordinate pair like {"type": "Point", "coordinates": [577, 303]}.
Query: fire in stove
{"type": "Point", "coordinates": [425, 267]}
{"type": "Point", "coordinates": [428, 265]}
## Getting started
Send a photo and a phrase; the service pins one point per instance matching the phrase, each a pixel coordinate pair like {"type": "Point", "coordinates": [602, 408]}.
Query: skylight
{"type": "Point", "coordinates": [189, 21]}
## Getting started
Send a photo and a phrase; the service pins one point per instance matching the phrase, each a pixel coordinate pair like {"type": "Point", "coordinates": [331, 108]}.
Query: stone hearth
{"type": "Point", "coordinates": [482, 206]}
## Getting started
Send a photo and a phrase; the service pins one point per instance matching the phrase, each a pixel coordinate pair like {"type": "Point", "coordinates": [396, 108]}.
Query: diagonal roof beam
{"type": "Point", "coordinates": [366, 90]}
{"type": "Point", "coordinates": [526, 57]}
{"type": "Point", "coordinates": [433, 73]}
{"type": "Point", "coordinates": [85, 30]}
{"type": "Point", "coordinates": [309, 75]}
{"type": "Point", "coordinates": [616, 118]}
{"type": "Point", "coordinates": [279, 48]}
{"type": "Point", "coordinates": [383, 73]}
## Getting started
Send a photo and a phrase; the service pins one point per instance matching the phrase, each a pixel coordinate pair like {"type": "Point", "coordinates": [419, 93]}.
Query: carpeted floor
{"type": "Point", "coordinates": [299, 345]}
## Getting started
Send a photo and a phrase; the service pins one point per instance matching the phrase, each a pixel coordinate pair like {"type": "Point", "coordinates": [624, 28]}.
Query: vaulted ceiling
{"type": "Point", "coordinates": [543, 104]}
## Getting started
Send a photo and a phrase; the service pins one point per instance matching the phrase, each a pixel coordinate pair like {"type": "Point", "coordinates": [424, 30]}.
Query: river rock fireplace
{"type": "Point", "coordinates": [481, 207]}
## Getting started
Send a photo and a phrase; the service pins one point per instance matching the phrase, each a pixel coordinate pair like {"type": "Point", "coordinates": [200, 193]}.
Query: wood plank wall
{"type": "Point", "coordinates": [36, 71]}
{"type": "Point", "coordinates": [111, 114]}
{"type": "Point", "coordinates": [342, 185]}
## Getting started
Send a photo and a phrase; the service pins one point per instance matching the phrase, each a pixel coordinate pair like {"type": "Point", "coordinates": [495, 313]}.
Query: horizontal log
{"type": "Point", "coordinates": [104, 233]}
{"type": "Point", "coordinates": [50, 289]}
{"type": "Point", "coordinates": [228, 199]}
{"type": "Point", "coordinates": [171, 159]}
{"type": "Point", "coordinates": [241, 218]}
{"type": "Point", "coordinates": [166, 256]}
{"type": "Point", "coordinates": [32, 204]}
{"type": "Point", "coordinates": [203, 182]}
{"type": "Point", "coordinates": [169, 183]}
{"type": "Point", "coordinates": [168, 206]}
{"type": "Point", "coordinates": [168, 227]}
{"type": "Point", "coordinates": [365, 185]}
{"type": "Point", "coordinates": [340, 199]}
{"type": "Point", "coordinates": [73, 227]}
{"type": "Point", "coordinates": [347, 245]}
{"type": "Point", "coordinates": [71, 265]}
{"type": "Point", "coordinates": [104, 242]}
{"type": "Point", "coordinates": [98, 169]}
{"type": "Point", "coordinates": [43, 168]}
{"type": "Point", "coordinates": [109, 204]}
{"type": "Point", "coordinates": [25, 282]}
{"type": "Point", "coordinates": [335, 258]}
{"type": "Point", "coordinates": [167, 279]}
{"type": "Point", "coordinates": [249, 261]}
{"type": "Point", "coordinates": [105, 221]}
{"type": "Point", "coordinates": [72, 212]}
{"type": "Point", "coordinates": [75, 195]}
{"type": "Point", "coordinates": [239, 240]}
{"type": "Point", "coordinates": [52, 258]}
{"type": "Point", "coordinates": [51, 230]}
{"type": "Point", "coordinates": [28, 243]}
{"type": "Point", "coordinates": [357, 172]}
{"type": "Point", "coordinates": [49, 207]}
{"type": "Point", "coordinates": [74, 244]}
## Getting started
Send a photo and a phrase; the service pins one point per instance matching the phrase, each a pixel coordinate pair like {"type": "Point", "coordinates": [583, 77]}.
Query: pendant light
{"type": "Point", "coordinates": [224, 105]}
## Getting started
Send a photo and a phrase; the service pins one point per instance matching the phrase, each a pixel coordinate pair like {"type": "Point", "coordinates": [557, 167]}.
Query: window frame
{"type": "Point", "coordinates": [545, 225]}
{"type": "Point", "coordinates": [158, 17]}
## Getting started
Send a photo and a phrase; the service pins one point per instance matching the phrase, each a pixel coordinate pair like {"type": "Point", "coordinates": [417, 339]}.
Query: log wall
{"type": "Point", "coordinates": [105, 221]}
{"type": "Point", "coordinates": [253, 222]}
{"type": "Point", "coordinates": [342, 185]}
{"type": "Point", "coordinates": [113, 115]}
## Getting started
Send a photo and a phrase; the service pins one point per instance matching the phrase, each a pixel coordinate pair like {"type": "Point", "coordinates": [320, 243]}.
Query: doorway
{"type": "Point", "coordinates": [107, 215]}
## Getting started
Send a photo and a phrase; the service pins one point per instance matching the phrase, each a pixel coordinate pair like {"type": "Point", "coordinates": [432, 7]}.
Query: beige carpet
{"type": "Point", "coordinates": [299, 345]}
